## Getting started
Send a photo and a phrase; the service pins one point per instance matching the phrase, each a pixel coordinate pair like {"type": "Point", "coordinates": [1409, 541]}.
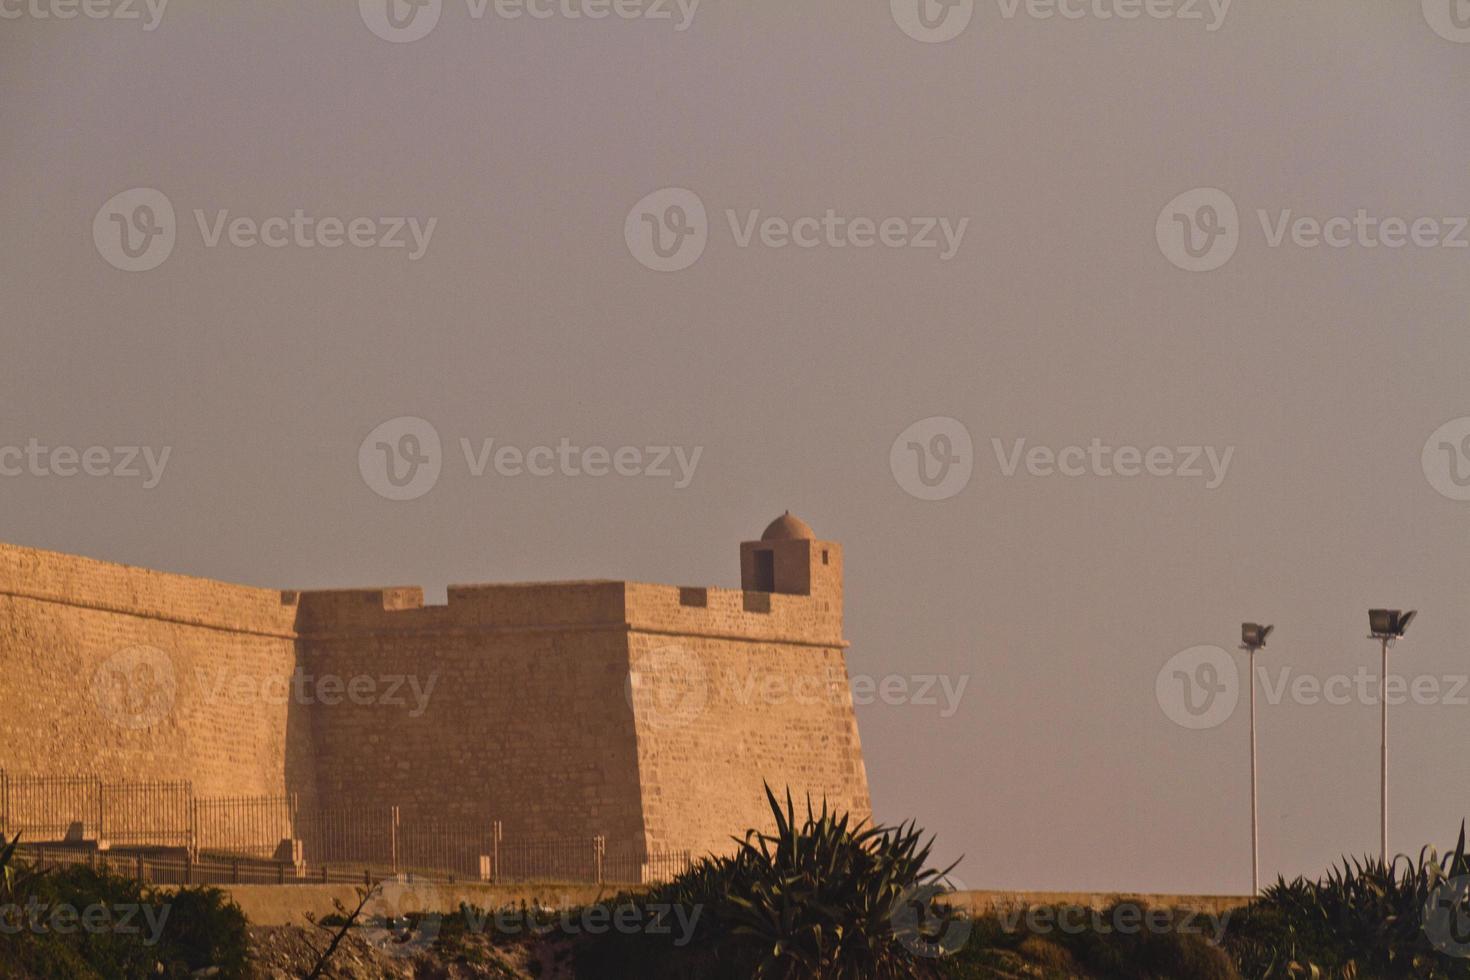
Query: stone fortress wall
{"type": "Point", "coordinates": [650, 714]}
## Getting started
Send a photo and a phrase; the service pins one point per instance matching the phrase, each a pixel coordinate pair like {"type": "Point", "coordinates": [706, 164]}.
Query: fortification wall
{"type": "Point", "coordinates": [717, 716]}
{"type": "Point", "coordinates": [511, 702]}
{"type": "Point", "coordinates": [142, 675]}
{"type": "Point", "coordinates": [513, 706]}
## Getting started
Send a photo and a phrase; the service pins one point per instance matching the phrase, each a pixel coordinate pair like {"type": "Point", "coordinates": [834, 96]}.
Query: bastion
{"type": "Point", "coordinates": [650, 714]}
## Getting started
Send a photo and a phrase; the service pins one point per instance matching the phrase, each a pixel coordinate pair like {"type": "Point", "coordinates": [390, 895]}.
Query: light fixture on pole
{"type": "Point", "coordinates": [1385, 625]}
{"type": "Point", "coordinates": [1252, 638]}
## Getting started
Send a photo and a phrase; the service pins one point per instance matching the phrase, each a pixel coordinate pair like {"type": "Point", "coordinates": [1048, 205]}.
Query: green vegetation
{"type": "Point", "coordinates": [819, 897]}
{"type": "Point", "coordinates": [80, 924]}
{"type": "Point", "coordinates": [1365, 919]}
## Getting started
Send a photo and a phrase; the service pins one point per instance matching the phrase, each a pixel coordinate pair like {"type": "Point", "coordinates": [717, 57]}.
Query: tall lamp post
{"type": "Point", "coordinates": [1386, 625]}
{"type": "Point", "coordinates": [1252, 638]}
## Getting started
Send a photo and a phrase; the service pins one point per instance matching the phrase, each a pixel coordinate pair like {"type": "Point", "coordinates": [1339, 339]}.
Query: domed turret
{"type": "Point", "coordinates": [789, 559]}
{"type": "Point", "coordinates": [788, 527]}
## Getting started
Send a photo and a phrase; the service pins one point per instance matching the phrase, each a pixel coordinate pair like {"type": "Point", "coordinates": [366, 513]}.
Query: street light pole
{"type": "Point", "coordinates": [1383, 757]}
{"type": "Point", "coordinates": [1252, 638]}
{"type": "Point", "coordinates": [1385, 626]}
{"type": "Point", "coordinates": [1255, 816]}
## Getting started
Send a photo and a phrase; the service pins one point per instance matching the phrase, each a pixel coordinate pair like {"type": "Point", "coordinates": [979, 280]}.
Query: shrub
{"type": "Point", "coordinates": [144, 932]}
{"type": "Point", "coordinates": [820, 897]}
{"type": "Point", "coordinates": [1365, 919]}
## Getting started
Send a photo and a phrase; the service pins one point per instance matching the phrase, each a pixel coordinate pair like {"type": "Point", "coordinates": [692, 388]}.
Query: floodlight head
{"type": "Point", "coordinates": [1390, 622]}
{"type": "Point", "coordinates": [1253, 635]}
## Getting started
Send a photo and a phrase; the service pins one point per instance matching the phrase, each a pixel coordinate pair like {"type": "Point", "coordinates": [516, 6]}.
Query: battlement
{"type": "Point", "coordinates": [596, 707]}
{"type": "Point", "coordinates": [759, 615]}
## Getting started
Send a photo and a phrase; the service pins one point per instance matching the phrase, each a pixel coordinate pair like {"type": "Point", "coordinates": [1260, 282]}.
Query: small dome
{"type": "Point", "coordinates": [788, 528]}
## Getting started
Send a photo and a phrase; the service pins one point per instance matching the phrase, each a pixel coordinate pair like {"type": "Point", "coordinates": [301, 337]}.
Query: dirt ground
{"type": "Point", "coordinates": [290, 952]}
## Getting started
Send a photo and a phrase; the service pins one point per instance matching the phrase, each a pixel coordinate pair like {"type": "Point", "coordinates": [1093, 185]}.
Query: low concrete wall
{"type": "Point", "coordinates": [276, 905]}
{"type": "Point", "coordinates": [279, 905]}
{"type": "Point", "coordinates": [981, 902]}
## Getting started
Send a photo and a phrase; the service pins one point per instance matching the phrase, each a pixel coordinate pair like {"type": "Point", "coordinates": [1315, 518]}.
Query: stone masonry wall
{"type": "Point", "coordinates": [133, 673]}
{"type": "Point", "coordinates": [511, 702]}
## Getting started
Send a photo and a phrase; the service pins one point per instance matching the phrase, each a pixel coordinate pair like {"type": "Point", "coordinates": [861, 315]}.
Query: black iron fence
{"type": "Point", "coordinates": [159, 831]}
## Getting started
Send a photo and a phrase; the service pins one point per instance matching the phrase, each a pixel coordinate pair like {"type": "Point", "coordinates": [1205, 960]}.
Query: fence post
{"type": "Point", "coordinates": [495, 834]}
{"type": "Point", "coordinates": [393, 829]}
{"type": "Point", "coordinates": [235, 871]}
{"type": "Point", "coordinates": [599, 850]}
{"type": "Point", "coordinates": [101, 809]}
{"type": "Point", "coordinates": [139, 866]}
{"type": "Point", "coordinates": [5, 802]}
{"type": "Point", "coordinates": [188, 867]}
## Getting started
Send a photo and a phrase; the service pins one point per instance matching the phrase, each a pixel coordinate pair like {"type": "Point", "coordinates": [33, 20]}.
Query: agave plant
{"type": "Point", "coordinates": [1364, 919]}
{"type": "Point", "coordinates": [820, 897]}
{"type": "Point", "coordinates": [825, 897]}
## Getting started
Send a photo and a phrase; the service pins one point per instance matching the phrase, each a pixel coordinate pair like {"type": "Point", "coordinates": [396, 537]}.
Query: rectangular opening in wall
{"type": "Point", "coordinates": [694, 597]}
{"type": "Point", "coordinates": [757, 602]}
{"type": "Point", "coordinates": [765, 571]}
{"type": "Point", "coordinates": [824, 556]}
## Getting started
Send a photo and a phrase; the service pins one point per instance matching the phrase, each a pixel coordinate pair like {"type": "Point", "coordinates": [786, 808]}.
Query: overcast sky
{"type": "Point", "coordinates": [1003, 257]}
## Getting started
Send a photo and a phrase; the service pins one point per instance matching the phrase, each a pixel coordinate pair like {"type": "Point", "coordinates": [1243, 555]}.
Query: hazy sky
{"type": "Point", "coordinates": [1059, 316]}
